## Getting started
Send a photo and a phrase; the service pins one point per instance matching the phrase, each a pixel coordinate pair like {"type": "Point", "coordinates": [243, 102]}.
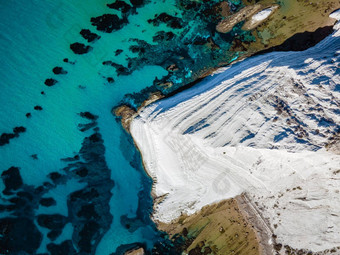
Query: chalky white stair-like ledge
{"type": "Point", "coordinates": [261, 127]}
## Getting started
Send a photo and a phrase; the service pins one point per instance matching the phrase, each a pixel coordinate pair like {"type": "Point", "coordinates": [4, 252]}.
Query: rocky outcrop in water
{"type": "Point", "coordinates": [80, 48]}
{"type": "Point", "coordinates": [88, 207]}
{"type": "Point", "coordinates": [108, 23]}
{"type": "Point", "coordinates": [59, 70]}
{"type": "Point", "coordinates": [50, 81]}
{"type": "Point", "coordinates": [6, 137]}
{"type": "Point", "coordinates": [88, 35]}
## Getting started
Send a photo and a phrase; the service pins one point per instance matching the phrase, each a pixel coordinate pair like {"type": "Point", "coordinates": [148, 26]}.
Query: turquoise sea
{"type": "Point", "coordinates": [72, 180]}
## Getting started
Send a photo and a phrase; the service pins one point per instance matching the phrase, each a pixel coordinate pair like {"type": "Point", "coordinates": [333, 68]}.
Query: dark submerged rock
{"type": "Point", "coordinates": [88, 115]}
{"type": "Point", "coordinates": [163, 36]}
{"type": "Point", "coordinates": [50, 82]}
{"type": "Point", "coordinates": [118, 52]}
{"type": "Point", "coordinates": [64, 248]}
{"type": "Point", "coordinates": [80, 48]}
{"type": "Point", "coordinates": [88, 212]}
{"type": "Point", "coordinates": [88, 35]}
{"type": "Point", "coordinates": [34, 156]}
{"type": "Point", "coordinates": [27, 195]}
{"type": "Point", "coordinates": [110, 79]}
{"type": "Point", "coordinates": [38, 108]}
{"type": "Point", "coordinates": [82, 172]}
{"type": "Point", "coordinates": [120, 5]}
{"type": "Point", "coordinates": [85, 127]}
{"type": "Point", "coordinates": [120, 69]}
{"type": "Point", "coordinates": [48, 185]}
{"type": "Point", "coordinates": [55, 177]}
{"type": "Point", "coordinates": [87, 234]}
{"type": "Point", "coordinates": [59, 70]}
{"type": "Point", "coordinates": [93, 171]}
{"type": "Point", "coordinates": [170, 21]}
{"type": "Point", "coordinates": [18, 202]}
{"type": "Point", "coordinates": [54, 221]}
{"type": "Point", "coordinates": [137, 3]}
{"type": "Point", "coordinates": [6, 137]}
{"type": "Point", "coordinates": [88, 208]}
{"type": "Point", "coordinates": [18, 130]}
{"type": "Point", "coordinates": [71, 159]}
{"type": "Point", "coordinates": [66, 60]}
{"type": "Point", "coordinates": [108, 22]}
{"type": "Point", "coordinates": [53, 234]}
{"type": "Point", "coordinates": [47, 202]}
{"type": "Point", "coordinates": [137, 49]}
{"type": "Point", "coordinates": [14, 229]}
{"type": "Point", "coordinates": [12, 179]}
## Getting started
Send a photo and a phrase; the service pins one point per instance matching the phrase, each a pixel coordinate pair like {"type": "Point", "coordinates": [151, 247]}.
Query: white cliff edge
{"type": "Point", "coordinates": [265, 126]}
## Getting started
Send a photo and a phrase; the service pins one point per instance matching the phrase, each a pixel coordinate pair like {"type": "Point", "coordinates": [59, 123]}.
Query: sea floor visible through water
{"type": "Point", "coordinates": [72, 179]}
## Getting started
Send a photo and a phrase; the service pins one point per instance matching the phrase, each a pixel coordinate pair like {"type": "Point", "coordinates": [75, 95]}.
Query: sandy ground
{"type": "Point", "coordinates": [220, 227]}
{"type": "Point", "coordinates": [290, 18]}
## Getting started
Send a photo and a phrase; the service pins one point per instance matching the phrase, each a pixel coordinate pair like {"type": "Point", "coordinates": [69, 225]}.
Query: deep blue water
{"type": "Point", "coordinates": [72, 180]}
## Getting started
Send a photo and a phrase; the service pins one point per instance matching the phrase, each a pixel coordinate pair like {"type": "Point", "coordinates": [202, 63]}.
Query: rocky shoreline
{"type": "Point", "coordinates": [253, 211]}
{"type": "Point", "coordinates": [263, 34]}
{"type": "Point", "coordinates": [248, 213]}
{"type": "Point", "coordinates": [127, 114]}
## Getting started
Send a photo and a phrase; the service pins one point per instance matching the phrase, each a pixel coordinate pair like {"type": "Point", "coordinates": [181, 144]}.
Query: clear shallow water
{"type": "Point", "coordinates": [101, 200]}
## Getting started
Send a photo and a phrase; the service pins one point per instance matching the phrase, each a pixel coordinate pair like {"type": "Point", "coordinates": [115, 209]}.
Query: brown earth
{"type": "Point", "coordinates": [139, 251]}
{"type": "Point", "coordinates": [127, 113]}
{"type": "Point", "coordinates": [220, 229]}
{"type": "Point", "coordinates": [292, 17]}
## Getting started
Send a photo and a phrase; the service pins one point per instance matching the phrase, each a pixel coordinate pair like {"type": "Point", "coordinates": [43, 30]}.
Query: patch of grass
{"type": "Point", "coordinates": [216, 229]}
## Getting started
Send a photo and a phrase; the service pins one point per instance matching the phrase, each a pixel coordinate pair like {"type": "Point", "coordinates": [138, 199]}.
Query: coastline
{"type": "Point", "coordinates": [245, 212]}
{"type": "Point", "coordinates": [78, 180]}
{"type": "Point", "coordinates": [280, 28]}
{"type": "Point", "coordinates": [249, 212]}
{"type": "Point", "coordinates": [161, 198]}
{"type": "Point", "coordinates": [127, 113]}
